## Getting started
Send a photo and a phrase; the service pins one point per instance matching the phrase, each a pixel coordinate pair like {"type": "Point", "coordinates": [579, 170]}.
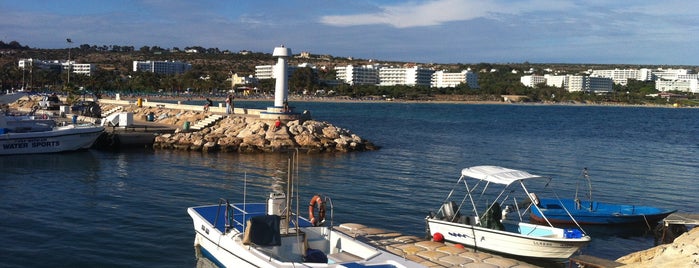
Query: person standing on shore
{"type": "Point", "coordinates": [208, 104]}
{"type": "Point", "coordinates": [229, 104]}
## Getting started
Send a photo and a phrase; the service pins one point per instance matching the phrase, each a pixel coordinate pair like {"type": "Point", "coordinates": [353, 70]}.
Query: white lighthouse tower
{"type": "Point", "coordinates": [281, 87]}
{"type": "Point", "coordinates": [281, 109]}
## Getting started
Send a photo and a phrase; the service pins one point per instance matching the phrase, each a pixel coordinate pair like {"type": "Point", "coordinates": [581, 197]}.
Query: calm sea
{"type": "Point", "coordinates": [128, 209]}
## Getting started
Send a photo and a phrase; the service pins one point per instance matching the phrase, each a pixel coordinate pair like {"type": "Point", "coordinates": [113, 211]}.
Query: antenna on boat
{"type": "Point", "coordinates": [586, 175]}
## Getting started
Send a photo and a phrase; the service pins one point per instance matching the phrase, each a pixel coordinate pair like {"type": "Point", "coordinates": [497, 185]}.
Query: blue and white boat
{"type": "Point", "coordinates": [590, 212]}
{"type": "Point", "coordinates": [472, 215]}
{"type": "Point", "coordinates": [270, 235]}
{"type": "Point", "coordinates": [593, 212]}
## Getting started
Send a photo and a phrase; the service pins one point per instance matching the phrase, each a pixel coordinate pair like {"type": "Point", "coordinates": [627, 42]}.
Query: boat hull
{"type": "Point", "coordinates": [600, 214]}
{"type": "Point", "coordinates": [59, 139]}
{"type": "Point", "coordinates": [541, 242]}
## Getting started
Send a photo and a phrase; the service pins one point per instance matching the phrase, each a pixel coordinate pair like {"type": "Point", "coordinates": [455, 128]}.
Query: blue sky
{"type": "Point", "coordinates": [437, 31]}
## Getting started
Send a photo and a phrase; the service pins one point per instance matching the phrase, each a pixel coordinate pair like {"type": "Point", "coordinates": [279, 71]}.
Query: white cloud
{"type": "Point", "coordinates": [437, 12]}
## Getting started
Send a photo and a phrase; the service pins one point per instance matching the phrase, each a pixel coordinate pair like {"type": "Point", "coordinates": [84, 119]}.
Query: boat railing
{"type": "Point", "coordinates": [228, 215]}
{"type": "Point", "coordinates": [231, 221]}
{"type": "Point", "coordinates": [329, 201]}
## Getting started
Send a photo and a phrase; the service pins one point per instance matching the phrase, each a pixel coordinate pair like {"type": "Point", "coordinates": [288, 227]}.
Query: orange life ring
{"type": "Point", "coordinates": [316, 201]}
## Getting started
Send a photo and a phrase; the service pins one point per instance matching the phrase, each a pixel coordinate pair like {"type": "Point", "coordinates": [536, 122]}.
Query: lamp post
{"type": "Point", "coordinates": [69, 69]}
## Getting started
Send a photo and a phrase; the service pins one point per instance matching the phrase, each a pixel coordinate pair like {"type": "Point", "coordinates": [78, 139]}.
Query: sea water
{"type": "Point", "coordinates": [128, 208]}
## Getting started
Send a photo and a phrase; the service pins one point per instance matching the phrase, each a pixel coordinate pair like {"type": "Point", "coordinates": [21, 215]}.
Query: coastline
{"type": "Point", "coordinates": [372, 100]}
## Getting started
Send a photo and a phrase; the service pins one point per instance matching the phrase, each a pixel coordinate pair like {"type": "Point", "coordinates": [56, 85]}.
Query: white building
{"type": "Point", "coordinates": [532, 80]}
{"type": "Point", "coordinates": [442, 79]}
{"type": "Point", "coordinates": [81, 68]}
{"type": "Point", "coordinates": [59, 66]}
{"type": "Point", "coordinates": [570, 83]}
{"type": "Point", "coordinates": [621, 77]}
{"type": "Point", "coordinates": [555, 80]}
{"type": "Point", "coordinates": [682, 85]}
{"type": "Point", "coordinates": [588, 84]}
{"type": "Point", "coordinates": [411, 76]}
{"type": "Point", "coordinates": [161, 67]}
{"type": "Point", "coordinates": [669, 74]}
{"type": "Point", "coordinates": [358, 75]}
{"type": "Point", "coordinates": [263, 72]}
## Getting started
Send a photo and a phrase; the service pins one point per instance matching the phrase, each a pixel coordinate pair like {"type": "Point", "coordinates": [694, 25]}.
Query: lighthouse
{"type": "Point", "coordinates": [281, 87]}
{"type": "Point", "coordinates": [281, 109]}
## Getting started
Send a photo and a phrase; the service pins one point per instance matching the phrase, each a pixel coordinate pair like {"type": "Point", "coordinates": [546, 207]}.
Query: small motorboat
{"type": "Point", "coordinates": [589, 212]}
{"type": "Point", "coordinates": [271, 235]}
{"type": "Point", "coordinates": [472, 215]}
{"type": "Point", "coordinates": [34, 136]}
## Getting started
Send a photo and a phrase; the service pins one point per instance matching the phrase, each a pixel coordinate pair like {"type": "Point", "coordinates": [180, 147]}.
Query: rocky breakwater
{"type": "Point", "coordinates": [249, 135]}
{"type": "Point", "coordinates": [683, 252]}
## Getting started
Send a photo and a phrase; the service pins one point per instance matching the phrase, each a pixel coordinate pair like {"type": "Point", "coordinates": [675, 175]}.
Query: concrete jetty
{"type": "Point", "coordinates": [426, 252]}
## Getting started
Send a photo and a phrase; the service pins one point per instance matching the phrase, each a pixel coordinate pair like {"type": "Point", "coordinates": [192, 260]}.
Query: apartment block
{"type": "Point", "coordinates": [410, 76]}
{"type": "Point", "coordinates": [442, 79]}
{"type": "Point", "coordinates": [532, 80]}
{"type": "Point", "coordinates": [358, 75]}
{"type": "Point", "coordinates": [161, 67]}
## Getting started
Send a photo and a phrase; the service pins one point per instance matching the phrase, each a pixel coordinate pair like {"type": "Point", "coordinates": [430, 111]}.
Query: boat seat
{"type": "Point", "coordinates": [263, 230]}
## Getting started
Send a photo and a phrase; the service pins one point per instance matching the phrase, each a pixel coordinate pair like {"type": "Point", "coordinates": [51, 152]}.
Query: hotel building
{"type": "Point", "coordinates": [442, 79]}
{"type": "Point", "coordinates": [621, 77]}
{"type": "Point", "coordinates": [161, 67]}
{"type": "Point", "coordinates": [58, 66]}
{"type": "Point", "coordinates": [411, 76]}
{"type": "Point", "coordinates": [358, 75]}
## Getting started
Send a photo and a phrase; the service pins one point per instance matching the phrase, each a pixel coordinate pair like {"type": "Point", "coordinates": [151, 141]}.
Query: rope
{"type": "Point", "coordinates": [647, 223]}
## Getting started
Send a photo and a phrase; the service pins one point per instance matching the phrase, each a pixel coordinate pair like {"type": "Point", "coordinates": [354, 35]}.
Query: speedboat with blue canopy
{"type": "Point", "coordinates": [478, 212]}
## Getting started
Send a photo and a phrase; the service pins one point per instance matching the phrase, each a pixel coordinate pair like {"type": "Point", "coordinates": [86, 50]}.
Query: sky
{"type": "Point", "coordinates": [421, 31]}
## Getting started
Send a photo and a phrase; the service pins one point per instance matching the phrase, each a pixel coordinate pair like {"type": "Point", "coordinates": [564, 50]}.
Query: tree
{"type": "Point", "coordinates": [303, 78]}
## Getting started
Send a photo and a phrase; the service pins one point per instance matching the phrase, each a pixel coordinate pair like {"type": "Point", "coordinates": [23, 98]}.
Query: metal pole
{"type": "Point", "coordinates": [69, 42]}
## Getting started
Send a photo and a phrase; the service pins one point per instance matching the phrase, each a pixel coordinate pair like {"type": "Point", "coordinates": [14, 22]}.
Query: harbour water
{"type": "Point", "coordinates": [128, 209]}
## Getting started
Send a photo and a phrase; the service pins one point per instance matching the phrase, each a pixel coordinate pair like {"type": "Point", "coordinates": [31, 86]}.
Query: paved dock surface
{"type": "Point", "coordinates": [425, 252]}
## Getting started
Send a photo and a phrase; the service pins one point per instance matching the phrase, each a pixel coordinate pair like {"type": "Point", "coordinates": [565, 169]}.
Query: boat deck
{"type": "Point", "coordinates": [218, 216]}
{"type": "Point", "coordinates": [682, 218]}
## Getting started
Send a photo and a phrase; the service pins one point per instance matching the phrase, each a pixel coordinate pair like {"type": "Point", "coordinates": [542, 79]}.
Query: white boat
{"type": "Point", "coordinates": [471, 215]}
{"type": "Point", "coordinates": [33, 136]}
{"type": "Point", "coordinates": [269, 235]}
{"type": "Point", "coordinates": [27, 123]}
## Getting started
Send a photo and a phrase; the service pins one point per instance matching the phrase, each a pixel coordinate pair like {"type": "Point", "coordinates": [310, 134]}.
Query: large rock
{"type": "Point", "coordinates": [683, 252]}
